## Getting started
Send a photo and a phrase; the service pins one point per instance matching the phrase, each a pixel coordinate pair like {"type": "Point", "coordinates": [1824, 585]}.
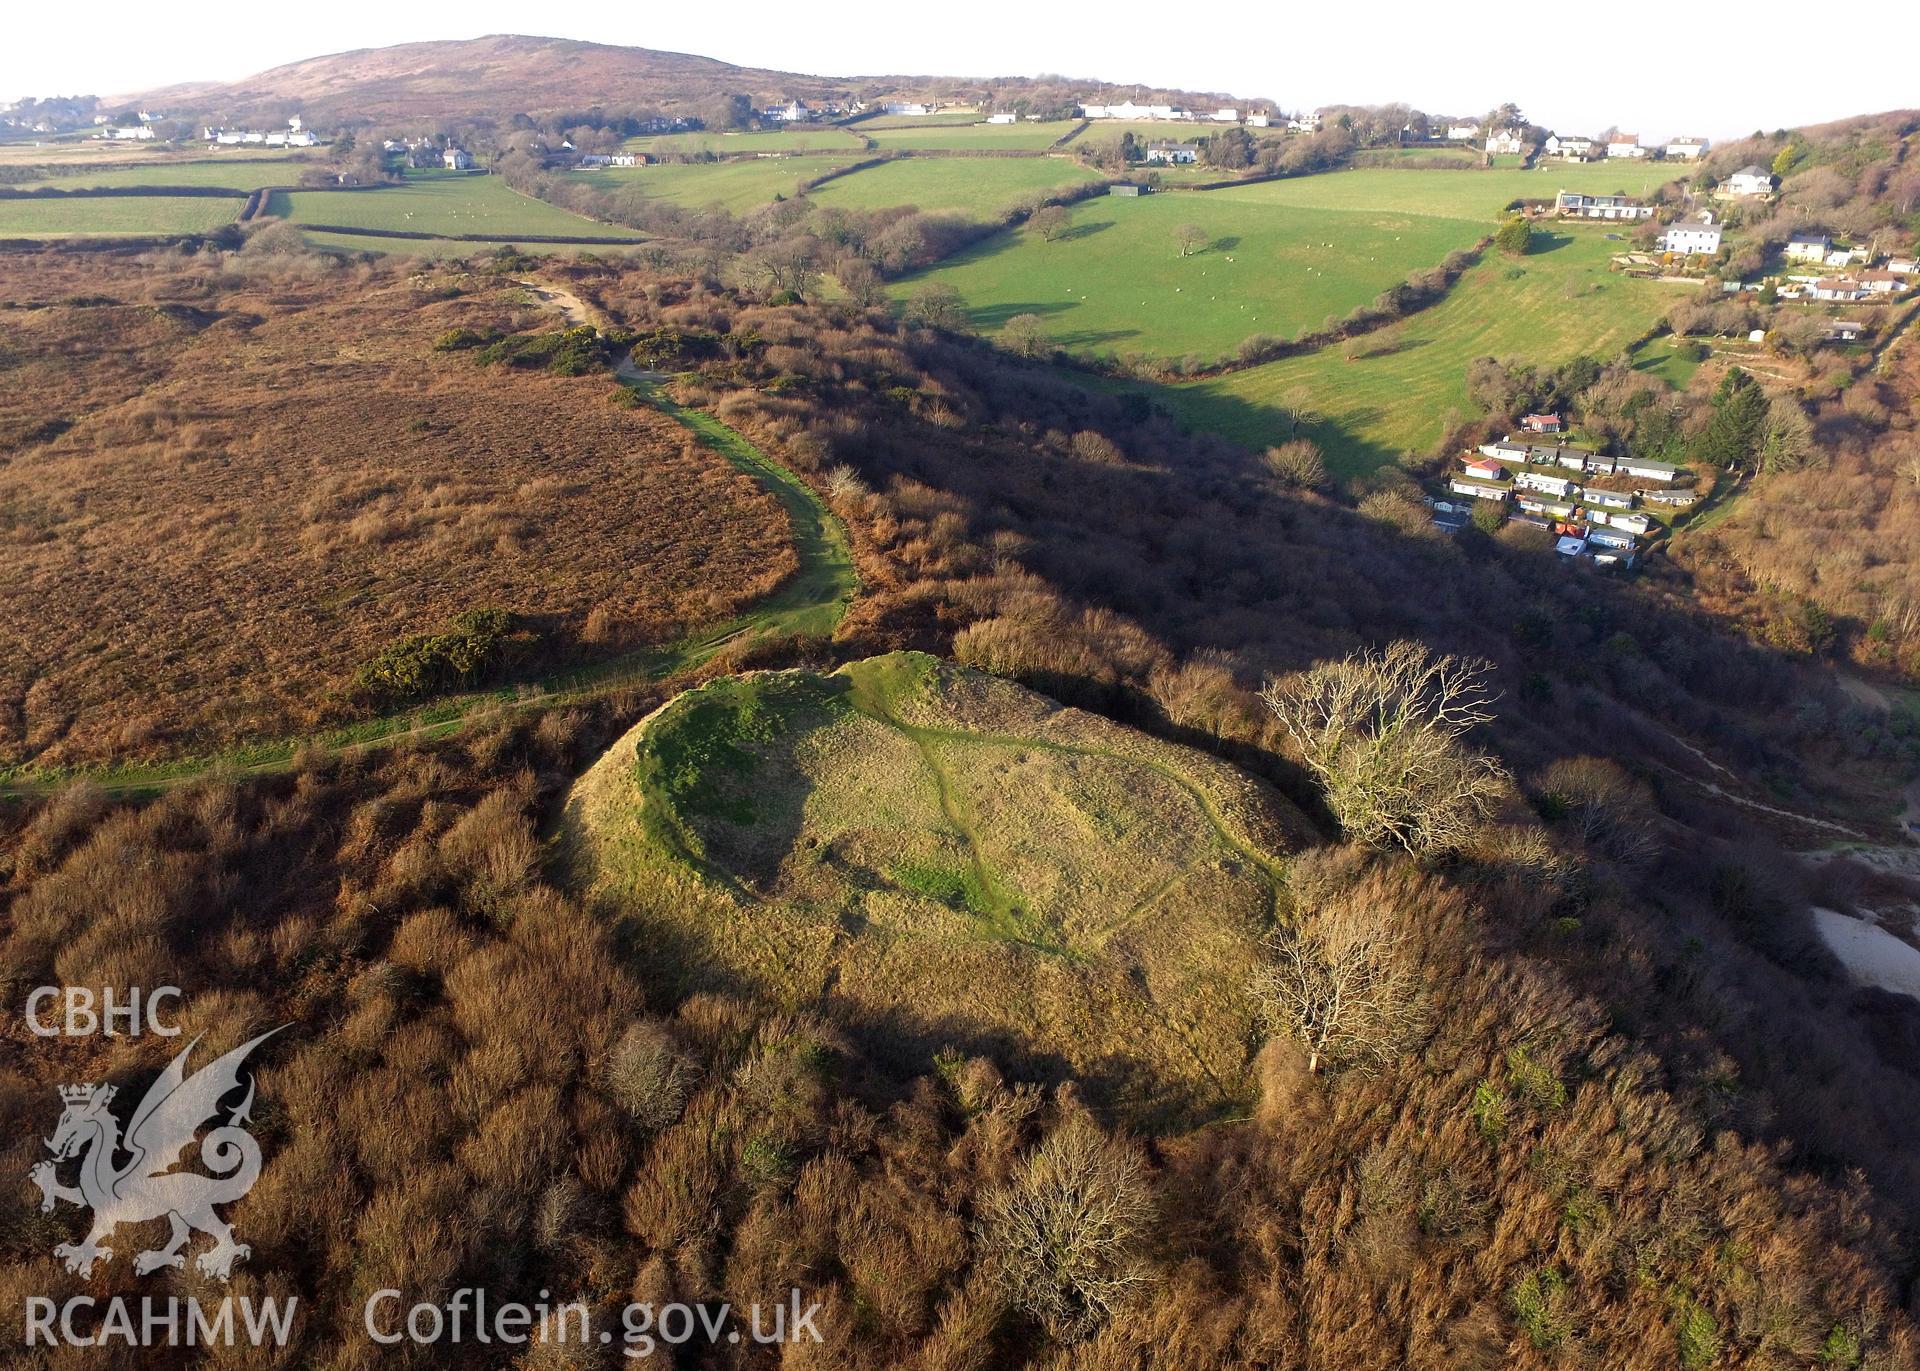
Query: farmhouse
{"type": "Point", "coordinates": [1259, 121]}
{"type": "Point", "coordinates": [1625, 145]}
{"type": "Point", "coordinates": [1703, 239]}
{"type": "Point", "coordinates": [458, 159]}
{"type": "Point", "coordinates": [1541, 423]}
{"type": "Point", "coordinates": [1807, 247]}
{"type": "Point", "coordinates": [1686, 149]}
{"type": "Point", "coordinates": [1486, 469]}
{"type": "Point", "coordinates": [1507, 143]}
{"type": "Point", "coordinates": [1749, 180]}
{"type": "Point", "coordinates": [1572, 149]}
{"type": "Point", "coordinates": [1573, 204]}
{"type": "Point", "coordinates": [1304, 123]}
{"type": "Point", "coordinates": [793, 112]}
{"type": "Point", "coordinates": [1173, 152]}
{"type": "Point", "coordinates": [1652, 471]}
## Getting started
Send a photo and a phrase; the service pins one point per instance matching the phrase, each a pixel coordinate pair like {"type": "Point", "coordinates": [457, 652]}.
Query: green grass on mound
{"type": "Point", "coordinates": [117, 216]}
{"type": "Point", "coordinates": [981, 188]}
{"type": "Point", "coordinates": [439, 205]}
{"type": "Point", "coordinates": [1116, 282]}
{"type": "Point", "coordinates": [957, 859]}
{"type": "Point", "coordinates": [1393, 392]}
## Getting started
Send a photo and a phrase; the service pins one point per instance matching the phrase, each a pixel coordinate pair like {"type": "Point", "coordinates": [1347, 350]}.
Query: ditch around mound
{"type": "Point", "coordinates": [958, 864]}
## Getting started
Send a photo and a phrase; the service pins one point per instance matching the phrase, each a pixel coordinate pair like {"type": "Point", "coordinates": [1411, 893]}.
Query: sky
{"type": "Point", "coordinates": [1567, 67]}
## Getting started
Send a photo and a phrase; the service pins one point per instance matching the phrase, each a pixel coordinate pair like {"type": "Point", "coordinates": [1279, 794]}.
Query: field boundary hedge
{"type": "Point", "coordinates": [124, 192]}
{"type": "Point", "coordinates": [582, 239]}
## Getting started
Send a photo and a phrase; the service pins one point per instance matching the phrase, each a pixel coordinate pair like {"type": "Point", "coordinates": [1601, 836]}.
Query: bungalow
{"type": "Point", "coordinates": [1600, 464]}
{"type": "Point", "coordinates": [1541, 423]}
{"type": "Point", "coordinates": [1173, 152]}
{"type": "Point", "coordinates": [1837, 288]}
{"type": "Point", "coordinates": [1879, 282]}
{"type": "Point", "coordinates": [1749, 180]}
{"type": "Point", "coordinates": [1486, 469]}
{"type": "Point", "coordinates": [1507, 143]}
{"type": "Point", "coordinates": [1636, 523]}
{"type": "Point", "coordinates": [1651, 471]}
{"type": "Point", "coordinates": [1607, 499]}
{"type": "Point", "coordinates": [1703, 239]}
{"type": "Point", "coordinates": [1479, 490]}
{"type": "Point", "coordinates": [1625, 145]}
{"type": "Point", "coordinates": [1605, 536]}
{"type": "Point", "coordinates": [1807, 246]}
{"type": "Point", "coordinates": [1545, 484]}
{"type": "Point", "coordinates": [1572, 458]}
{"type": "Point", "coordinates": [1903, 266]}
{"type": "Point", "coordinates": [458, 159]}
{"type": "Point", "coordinates": [1679, 499]}
{"type": "Point", "coordinates": [1506, 450]}
{"type": "Point", "coordinates": [1570, 546]}
{"type": "Point", "coordinates": [1686, 149]}
{"type": "Point", "coordinates": [1580, 206]}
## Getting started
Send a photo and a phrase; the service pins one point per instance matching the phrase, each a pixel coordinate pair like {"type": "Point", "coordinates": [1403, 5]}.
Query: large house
{"type": "Point", "coordinates": [1507, 142]}
{"type": "Point", "coordinates": [458, 159]}
{"type": "Point", "coordinates": [138, 133]}
{"type": "Point", "coordinates": [1625, 145]}
{"type": "Point", "coordinates": [1570, 148]}
{"type": "Point", "coordinates": [1750, 180]}
{"type": "Point", "coordinates": [1572, 203]}
{"type": "Point", "coordinates": [1691, 238]}
{"type": "Point", "coordinates": [1304, 123]}
{"type": "Point", "coordinates": [1173, 152]}
{"type": "Point", "coordinates": [1807, 246]}
{"type": "Point", "coordinates": [1462, 133]}
{"type": "Point", "coordinates": [1687, 149]}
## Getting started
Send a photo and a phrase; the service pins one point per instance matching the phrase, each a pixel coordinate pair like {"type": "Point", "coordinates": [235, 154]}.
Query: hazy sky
{"type": "Point", "coordinates": [1572, 66]}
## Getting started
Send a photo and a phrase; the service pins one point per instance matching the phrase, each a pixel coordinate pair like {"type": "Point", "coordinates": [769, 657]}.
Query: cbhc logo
{"type": "Point", "coordinates": [86, 1014]}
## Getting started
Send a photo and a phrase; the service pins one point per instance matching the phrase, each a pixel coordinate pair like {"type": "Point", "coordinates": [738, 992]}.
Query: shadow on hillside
{"type": "Point", "coordinates": [989, 317]}
{"type": "Point", "coordinates": [1078, 231]}
{"type": "Point", "coordinates": [1548, 242]}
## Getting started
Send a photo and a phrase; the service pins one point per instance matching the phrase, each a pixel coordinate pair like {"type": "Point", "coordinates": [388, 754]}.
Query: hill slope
{"type": "Point", "coordinates": [496, 76]}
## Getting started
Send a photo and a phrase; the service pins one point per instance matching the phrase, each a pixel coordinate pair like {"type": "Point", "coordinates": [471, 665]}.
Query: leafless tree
{"type": "Point", "coordinates": [1190, 238]}
{"type": "Point", "coordinates": [1605, 805]}
{"type": "Point", "coordinates": [1297, 462]}
{"type": "Point", "coordinates": [1381, 730]}
{"type": "Point", "coordinates": [1341, 978]}
{"type": "Point", "coordinates": [1025, 336]}
{"type": "Point", "coordinates": [1051, 221]}
{"type": "Point", "coordinates": [1063, 1236]}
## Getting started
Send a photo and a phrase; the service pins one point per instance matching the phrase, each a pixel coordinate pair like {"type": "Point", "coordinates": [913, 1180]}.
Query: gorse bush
{"type": "Point", "coordinates": [565, 352]}
{"type": "Point", "coordinates": [475, 646]}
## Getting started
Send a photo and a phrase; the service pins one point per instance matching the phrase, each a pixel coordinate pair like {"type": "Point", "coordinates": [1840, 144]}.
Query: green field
{"type": "Point", "coordinates": [981, 188]}
{"type": "Point", "coordinates": [1470, 194]}
{"type": "Point", "coordinates": [1116, 282]}
{"type": "Point", "coordinates": [809, 139]}
{"type": "Point", "coordinates": [974, 137]}
{"type": "Point", "coordinates": [117, 216]}
{"type": "Point", "coordinates": [1149, 131]}
{"type": "Point", "coordinates": [950, 119]}
{"type": "Point", "coordinates": [737, 187]}
{"type": "Point", "coordinates": [235, 173]}
{"type": "Point", "coordinates": [1396, 394]}
{"type": "Point", "coordinates": [438, 204]}
{"type": "Point", "coordinates": [950, 856]}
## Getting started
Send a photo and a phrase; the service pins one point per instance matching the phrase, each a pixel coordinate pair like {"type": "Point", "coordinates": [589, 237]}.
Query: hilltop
{"type": "Point", "coordinates": [497, 76]}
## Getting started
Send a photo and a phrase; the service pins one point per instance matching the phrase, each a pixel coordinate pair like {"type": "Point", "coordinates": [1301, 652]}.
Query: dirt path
{"type": "Point", "coordinates": [1864, 692]}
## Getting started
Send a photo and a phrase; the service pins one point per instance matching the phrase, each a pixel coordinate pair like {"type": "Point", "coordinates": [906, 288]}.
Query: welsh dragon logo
{"type": "Point", "coordinates": [144, 1188]}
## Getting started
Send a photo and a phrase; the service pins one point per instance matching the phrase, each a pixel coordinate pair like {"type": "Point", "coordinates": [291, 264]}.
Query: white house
{"type": "Point", "coordinates": [1462, 133]}
{"type": "Point", "coordinates": [1651, 471]}
{"type": "Point", "coordinates": [1607, 499]}
{"type": "Point", "coordinates": [1571, 203]}
{"type": "Point", "coordinates": [1485, 469]}
{"type": "Point", "coordinates": [1225, 115]}
{"type": "Point", "coordinates": [1903, 266]}
{"type": "Point", "coordinates": [1304, 123]}
{"type": "Point", "coordinates": [1625, 145]}
{"type": "Point", "coordinates": [1635, 523]}
{"type": "Point", "coordinates": [138, 133]}
{"type": "Point", "coordinates": [458, 159]}
{"type": "Point", "coordinates": [1479, 490]}
{"type": "Point", "coordinates": [1545, 484]}
{"type": "Point", "coordinates": [1128, 110]}
{"type": "Point", "coordinates": [624, 159]}
{"type": "Point", "coordinates": [1750, 180]}
{"type": "Point", "coordinates": [303, 138]}
{"type": "Point", "coordinates": [1506, 451]}
{"type": "Point", "coordinates": [1003, 118]}
{"type": "Point", "coordinates": [1572, 149]}
{"type": "Point", "coordinates": [1610, 537]}
{"type": "Point", "coordinates": [1507, 143]}
{"type": "Point", "coordinates": [1173, 152]}
{"type": "Point", "coordinates": [910, 107]}
{"type": "Point", "coordinates": [1691, 238]}
{"type": "Point", "coordinates": [1807, 247]}
{"type": "Point", "coordinates": [1687, 149]}
{"type": "Point", "coordinates": [1258, 121]}
{"type": "Point", "coordinates": [1837, 288]}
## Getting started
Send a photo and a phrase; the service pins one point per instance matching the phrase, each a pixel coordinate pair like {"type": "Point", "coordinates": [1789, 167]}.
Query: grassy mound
{"type": "Point", "coordinates": [957, 861]}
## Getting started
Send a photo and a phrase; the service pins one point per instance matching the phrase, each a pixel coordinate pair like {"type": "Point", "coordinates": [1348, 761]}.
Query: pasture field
{"type": "Point", "coordinates": [185, 567]}
{"type": "Point", "coordinates": [737, 187]}
{"type": "Point", "coordinates": [980, 188]}
{"type": "Point", "coordinates": [438, 204]}
{"type": "Point", "coordinates": [235, 173]}
{"type": "Point", "coordinates": [974, 137]}
{"type": "Point", "coordinates": [1471, 194]}
{"type": "Point", "coordinates": [1394, 391]}
{"type": "Point", "coordinates": [1148, 131]}
{"type": "Point", "coordinates": [957, 860]}
{"type": "Point", "coordinates": [950, 119]}
{"type": "Point", "coordinates": [118, 216]}
{"type": "Point", "coordinates": [813, 138]}
{"type": "Point", "coordinates": [1116, 282]}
